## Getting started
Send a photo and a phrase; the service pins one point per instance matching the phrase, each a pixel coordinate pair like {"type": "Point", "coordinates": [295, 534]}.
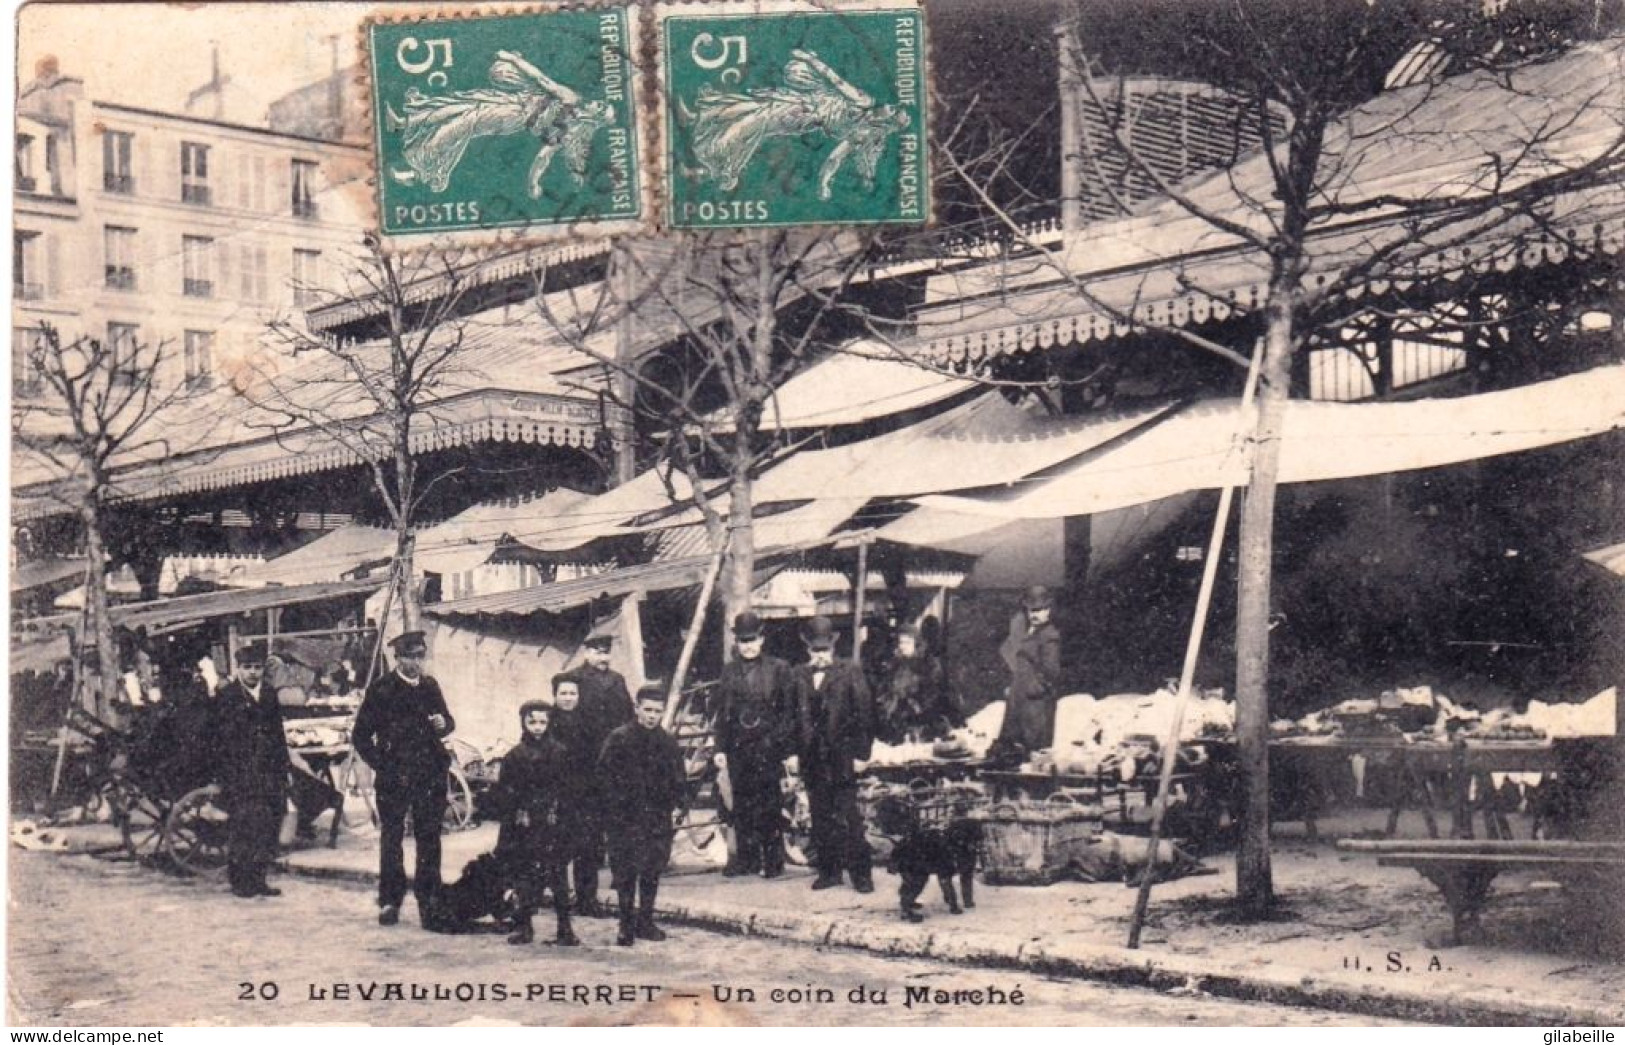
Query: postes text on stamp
{"type": "Point", "coordinates": [794, 115]}
{"type": "Point", "coordinates": [523, 122]}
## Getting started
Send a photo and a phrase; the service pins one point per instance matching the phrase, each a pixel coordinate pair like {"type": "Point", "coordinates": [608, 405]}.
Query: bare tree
{"type": "Point", "coordinates": [102, 406]}
{"type": "Point", "coordinates": [1328, 211]}
{"type": "Point", "coordinates": [373, 397]}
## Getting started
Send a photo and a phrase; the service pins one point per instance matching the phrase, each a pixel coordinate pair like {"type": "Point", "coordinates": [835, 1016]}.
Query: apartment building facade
{"type": "Point", "coordinates": [164, 228]}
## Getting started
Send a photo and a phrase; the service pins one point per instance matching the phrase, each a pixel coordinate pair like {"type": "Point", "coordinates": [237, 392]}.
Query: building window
{"type": "Point", "coordinates": [307, 277]}
{"type": "Point", "coordinates": [25, 163]}
{"type": "Point", "coordinates": [199, 352]}
{"type": "Point", "coordinates": [195, 173]}
{"type": "Point", "coordinates": [117, 173]}
{"type": "Point", "coordinates": [53, 169]}
{"type": "Point", "coordinates": [25, 379]}
{"type": "Point", "coordinates": [197, 266]}
{"type": "Point", "coordinates": [121, 342]}
{"type": "Point", "coordinates": [25, 266]}
{"type": "Point", "coordinates": [304, 188]}
{"type": "Point", "coordinates": [252, 270]}
{"type": "Point", "coordinates": [120, 251]}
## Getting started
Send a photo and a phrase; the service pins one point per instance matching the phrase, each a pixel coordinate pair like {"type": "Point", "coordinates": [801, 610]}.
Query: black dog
{"type": "Point", "coordinates": [479, 892]}
{"type": "Point", "coordinates": [920, 852]}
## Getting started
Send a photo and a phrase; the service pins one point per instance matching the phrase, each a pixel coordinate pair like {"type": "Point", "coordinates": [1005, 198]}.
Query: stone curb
{"type": "Point", "coordinates": [1086, 961]}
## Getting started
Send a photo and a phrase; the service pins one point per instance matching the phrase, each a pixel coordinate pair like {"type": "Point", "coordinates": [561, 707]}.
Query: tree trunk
{"type": "Point", "coordinates": [741, 569]}
{"type": "Point", "coordinates": [96, 600]}
{"type": "Point", "coordinates": [1255, 892]}
{"type": "Point", "coordinates": [410, 601]}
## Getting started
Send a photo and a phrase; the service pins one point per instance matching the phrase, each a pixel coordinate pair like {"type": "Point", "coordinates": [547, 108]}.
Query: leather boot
{"type": "Point", "coordinates": [628, 930]}
{"type": "Point", "coordinates": [773, 856]}
{"type": "Point", "coordinates": [646, 929]}
{"type": "Point", "coordinates": [523, 932]}
{"type": "Point", "coordinates": [565, 937]}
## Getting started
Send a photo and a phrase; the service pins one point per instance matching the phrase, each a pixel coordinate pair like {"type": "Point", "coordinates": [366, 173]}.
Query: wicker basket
{"type": "Point", "coordinates": [1034, 843]}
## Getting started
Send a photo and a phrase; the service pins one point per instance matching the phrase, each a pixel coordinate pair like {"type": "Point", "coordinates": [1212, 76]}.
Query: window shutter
{"type": "Point", "coordinates": [141, 166]}
{"type": "Point", "coordinates": [245, 181]}
{"type": "Point", "coordinates": [222, 275]}
{"type": "Point", "coordinates": [53, 266]}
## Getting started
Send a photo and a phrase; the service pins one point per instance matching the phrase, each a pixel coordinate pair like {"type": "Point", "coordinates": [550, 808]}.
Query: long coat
{"type": "Point", "coordinates": [535, 780]}
{"type": "Point", "coordinates": [754, 719]}
{"type": "Point", "coordinates": [253, 762]}
{"type": "Point", "coordinates": [835, 722]}
{"type": "Point", "coordinates": [1035, 681]}
{"type": "Point", "coordinates": [393, 734]}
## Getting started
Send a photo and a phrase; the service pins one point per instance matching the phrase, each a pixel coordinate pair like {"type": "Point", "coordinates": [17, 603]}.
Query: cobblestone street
{"type": "Point", "coordinates": [98, 943]}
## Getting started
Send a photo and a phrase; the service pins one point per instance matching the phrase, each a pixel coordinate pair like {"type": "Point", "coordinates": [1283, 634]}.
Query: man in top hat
{"type": "Point", "coordinates": [253, 767]}
{"type": "Point", "coordinates": [1035, 676]}
{"type": "Point", "coordinates": [835, 727]}
{"type": "Point", "coordinates": [753, 738]}
{"type": "Point", "coordinates": [605, 705]}
{"type": "Point", "coordinates": [398, 732]}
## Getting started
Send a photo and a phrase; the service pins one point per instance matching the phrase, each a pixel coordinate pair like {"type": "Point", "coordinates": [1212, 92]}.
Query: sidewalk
{"type": "Point", "coordinates": [1354, 936]}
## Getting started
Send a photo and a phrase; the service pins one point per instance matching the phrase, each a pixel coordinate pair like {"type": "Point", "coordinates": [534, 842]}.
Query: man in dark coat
{"type": "Point", "coordinates": [606, 704]}
{"type": "Point", "coordinates": [647, 767]}
{"type": "Point", "coordinates": [835, 727]}
{"type": "Point", "coordinates": [528, 796]}
{"type": "Point", "coordinates": [253, 767]}
{"type": "Point", "coordinates": [753, 734]}
{"type": "Point", "coordinates": [398, 732]}
{"type": "Point", "coordinates": [1035, 677]}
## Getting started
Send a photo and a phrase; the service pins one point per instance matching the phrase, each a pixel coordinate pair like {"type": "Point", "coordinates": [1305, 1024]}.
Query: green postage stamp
{"type": "Point", "coordinates": [794, 114]}
{"type": "Point", "coordinates": [516, 126]}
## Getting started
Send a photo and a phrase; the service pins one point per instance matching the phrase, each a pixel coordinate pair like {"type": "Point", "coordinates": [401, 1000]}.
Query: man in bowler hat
{"type": "Point", "coordinates": [398, 732]}
{"type": "Point", "coordinates": [606, 704]}
{"type": "Point", "coordinates": [753, 737]}
{"type": "Point", "coordinates": [835, 727]}
{"type": "Point", "coordinates": [1035, 676]}
{"type": "Point", "coordinates": [253, 769]}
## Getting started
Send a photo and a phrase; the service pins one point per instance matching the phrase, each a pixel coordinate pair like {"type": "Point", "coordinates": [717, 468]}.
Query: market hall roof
{"type": "Point", "coordinates": [513, 381]}
{"type": "Point", "coordinates": [1455, 144]}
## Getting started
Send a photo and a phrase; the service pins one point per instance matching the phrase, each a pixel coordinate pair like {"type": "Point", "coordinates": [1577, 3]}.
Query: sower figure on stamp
{"type": "Point", "coordinates": [254, 768]}
{"type": "Point", "coordinates": [529, 795]}
{"type": "Point", "coordinates": [753, 737]}
{"type": "Point", "coordinates": [1035, 678]}
{"type": "Point", "coordinates": [835, 726]}
{"type": "Point", "coordinates": [647, 766]}
{"type": "Point", "coordinates": [606, 704]}
{"type": "Point", "coordinates": [398, 732]}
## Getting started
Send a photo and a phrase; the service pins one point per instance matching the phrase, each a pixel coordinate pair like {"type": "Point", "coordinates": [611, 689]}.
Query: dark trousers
{"type": "Point", "coordinates": [583, 847]}
{"type": "Point", "coordinates": [837, 829]}
{"type": "Point", "coordinates": [426, 802]}
{"type": "Point", "coordinates": [758, 814]}
{"type": "Point", "coordinates": [252, 826]}
{"type": "Point", "coordinates": [532, 877]}
{"type": "Point", "coordinates": [637, 856]}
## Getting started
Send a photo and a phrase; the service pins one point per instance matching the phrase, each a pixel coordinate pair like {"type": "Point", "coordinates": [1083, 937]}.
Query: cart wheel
{"type": "Point", "coordinates": [141, 822]}
{"type": "Point", "coordinates": [459, 801]}
{"type": "Point", "coordinates": [195, 832]}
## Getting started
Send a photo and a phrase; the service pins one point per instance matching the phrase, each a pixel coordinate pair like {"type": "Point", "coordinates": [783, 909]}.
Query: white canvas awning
{"type": "Point", "coordinates": [1198, 449]}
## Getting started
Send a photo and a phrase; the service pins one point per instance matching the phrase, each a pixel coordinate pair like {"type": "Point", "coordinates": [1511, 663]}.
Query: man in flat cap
{"type": "Point", "coordinates": [835, 727]}
{"type": "Point", "coordinates": [253, 769]}
{"type": "Point", "coordinates": [1035, 676]}
{"type": "Point", "coordinates": [753, 738]}
{"type": "Point", "coordinates": [605, 705]}
{"type": "Point", "coordinates": [399, 732]}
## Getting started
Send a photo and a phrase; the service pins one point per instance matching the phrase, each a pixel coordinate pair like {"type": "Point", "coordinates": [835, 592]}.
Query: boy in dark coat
{"type": "Point", "coordinates": [398, 732]}
{"type": "Point", "coordinates": [835, 727]}
{"type": "Point", "coordinates": [753, 739]}
{"type": "Point", "coordinates": [647, 767]}
{"type": "Point", "coordinates": [605, 705]}
{"type": "Point", "coordinates": [580, 832]}
{"type": "Point", "coordinates": [254, 767]}
{"type": "Point", "coordinates": [528, 796]}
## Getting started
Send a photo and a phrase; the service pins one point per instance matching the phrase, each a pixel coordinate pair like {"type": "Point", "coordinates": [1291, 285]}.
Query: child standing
{"type": "Point", "coordinates": [528, 794]}
{"type": "Point", "coordinates": [647, 767]}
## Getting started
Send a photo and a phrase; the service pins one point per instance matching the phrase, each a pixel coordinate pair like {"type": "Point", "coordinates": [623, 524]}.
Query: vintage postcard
{"type": "Point", "coordinates": [836, 514]}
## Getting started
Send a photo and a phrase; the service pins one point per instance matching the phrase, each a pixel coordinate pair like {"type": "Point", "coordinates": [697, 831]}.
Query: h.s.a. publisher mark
{"type": "Point", "coordinates": [525, 121]}
{"type": "Point", "coordinates": [794, 116]}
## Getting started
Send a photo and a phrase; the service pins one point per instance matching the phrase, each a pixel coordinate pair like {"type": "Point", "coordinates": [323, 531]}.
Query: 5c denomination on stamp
{"type": "Point", "coordinates": [779, 113]}
{"type": "Point", "coordinates": [516, 126]}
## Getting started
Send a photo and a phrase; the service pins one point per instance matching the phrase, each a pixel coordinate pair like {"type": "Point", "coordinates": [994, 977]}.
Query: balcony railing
{"type": "Point", "coordinates": [26, 387]}
{"type": "Point", "coordinates": [200, 382]}
{"type": "Point", "coordinates": [27, 184]}
{"type": "Point", "coordinates": [198, 288]}
{"type": "Point", "coordinates": [304, 209]}
{"type": "Point", "coordinates": [124, 184]}
{"type": "Point", "coordinates": [120, 277]}
{"type": "Point", "coordinates": [28, 291]}
{"type": "Point", "coordinates": [198, 194]}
